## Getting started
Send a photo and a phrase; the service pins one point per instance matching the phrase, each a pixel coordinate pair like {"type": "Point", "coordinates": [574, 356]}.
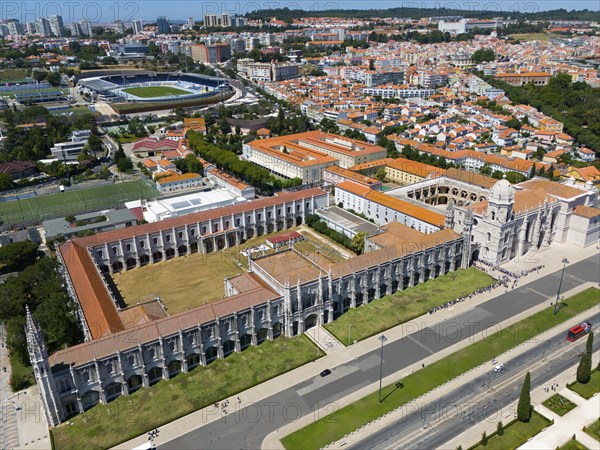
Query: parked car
{"type": "Point", "coordinates": [325, 372]}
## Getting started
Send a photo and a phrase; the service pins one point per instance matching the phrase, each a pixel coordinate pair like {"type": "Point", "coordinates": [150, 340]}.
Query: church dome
{"type": "Point", "coordinates": [502, 191]}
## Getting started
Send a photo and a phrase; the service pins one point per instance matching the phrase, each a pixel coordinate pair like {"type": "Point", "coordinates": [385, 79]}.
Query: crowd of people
{"type": "Point", "coordinates": [466, 297]}
{"type": "Point", "coordinates": [490, 268]}
{"type": "Point", "coordinates": [507, 279]}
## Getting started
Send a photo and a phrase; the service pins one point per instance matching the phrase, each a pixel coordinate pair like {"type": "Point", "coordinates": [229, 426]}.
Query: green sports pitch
{"type": "Point", "coordinates": [74, 201]}
{"type": "Point", "coordinates": [154, 91]}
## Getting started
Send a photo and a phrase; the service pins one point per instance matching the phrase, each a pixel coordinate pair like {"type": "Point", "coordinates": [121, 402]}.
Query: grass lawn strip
{"type": "Point", "coordinates": [515, 434]}
{"type": "Point", "coordinates": [105, 426]}
{"type": "Point", "coordinates": [402, 306]}
{"type": "Point", "coordinates": [155, 91]}
{"type": "Point", "coordinates": [594, 430]}
{"type": "Point", "coordinates": [588, 390]}
{"type": "Point", "coordinates": [338, 424]}
{"type": "Point", "coordinates": [73, 201]}
{"type": "Point", "coordinates": [559, 404]}
{"type": "Point", "coordinates": [573, 445]}
{"type": "Point", "coordinates": [17, 369]}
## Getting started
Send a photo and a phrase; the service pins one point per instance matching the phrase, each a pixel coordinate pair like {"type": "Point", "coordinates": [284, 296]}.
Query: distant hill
{"type": "Point", "coordinates": [287, 14]}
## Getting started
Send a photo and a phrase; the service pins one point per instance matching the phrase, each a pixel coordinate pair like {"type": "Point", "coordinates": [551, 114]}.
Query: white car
{"type": "Point", "coordinates": [499, 368]}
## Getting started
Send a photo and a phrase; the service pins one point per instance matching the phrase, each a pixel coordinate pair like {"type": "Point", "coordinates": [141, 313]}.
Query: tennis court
{"type": "Point", "coordinates": [36, 209]}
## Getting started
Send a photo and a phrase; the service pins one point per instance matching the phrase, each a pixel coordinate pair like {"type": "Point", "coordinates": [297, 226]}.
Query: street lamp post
{"type": "Point", "coordinates": [565, 261]}
{"type": "Point", "coordinates": [382, 338]}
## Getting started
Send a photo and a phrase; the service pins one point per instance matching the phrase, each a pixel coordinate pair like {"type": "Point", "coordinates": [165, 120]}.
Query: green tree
{"type": "Point", "coordinates": [193, 165]}
{"type": "Point", "coordinates": [482, 55]}
{"type": "Point", "coordinates": [95, 145]}
{"type": "Point", "coordinates": [524, 406]}
{"type": "Point", "coordinates": [513, 123]}
{"type": "Point", "coordinates": [486, 170]}
{"type": "Point", "coordinates": [5, 181]}
{"type": "Point", "coordinates": [584, 368]}
{"type": "Point", "coordinates": [484, 439]}
{"type": "Point", "coordinates": [124, 164]}
{"type": "Point", "coordinates": [17, 256]}
{"type": "Point", "coordinates": [53, 78]}
{"type": "Point", "coordinates": [358, 243]}
{"type": "Point", "coordinates": [589, 345]}
{"type": "Point", "coordinates": [381, 174]}
{"type": "Point", "coordinates": [500, 429]}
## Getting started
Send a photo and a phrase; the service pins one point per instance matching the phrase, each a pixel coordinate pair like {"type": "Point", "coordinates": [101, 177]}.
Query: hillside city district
{"type": "Point", "coordinates": [294, 230]}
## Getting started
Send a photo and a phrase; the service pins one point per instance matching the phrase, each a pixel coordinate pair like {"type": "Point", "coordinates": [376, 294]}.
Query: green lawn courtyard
{"type": "Point", "coordinates": [594, 430]}
{"type": "Point", "coordinates": [73, 202]}
{"type": "Point", "coordinates": [515, 434]}
{"type": "Point", "coordinates": [559, 404]}
{"type": "Point", "coordinates": [181, 283]}
{"type": "Point", "coordinates": [387, 312]}
{"type": "Point", "coordinates": [588, 390]}
{"type": "Point", "coordinates": [345, 420]}
{"type": "Point", "coordinates": [572, 445]}
{"type": "Point", "coordinates": [155, 91]}
{"type": "Point", "coordinates": [105, 426]}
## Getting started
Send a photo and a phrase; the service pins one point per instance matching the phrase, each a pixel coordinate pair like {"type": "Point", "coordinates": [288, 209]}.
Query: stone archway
{"type": "Point", "coordinates": [155, 375]}
{"type": "Point", "coordinates": [130, 263]}
{"type": "Point", "coordinates": [170, 253]}
{"type": "Point", "coordinates": [174, 368]}
{"type": "Point", "coordinates": [89, 399]}
{"type": "Point", "coordinates": [270, 227]}
{"type": "Point", "coordinates": [262, 335]}
{"type": "Point", "coordinates": [134, 382]}
{"type": "Point", "coordinates": [157, 256]}
{"type": "Point", "coordinates": [228, 347]}
{"type": "Point", "coordinates": [298, 221]}
{"type": "Point", "coordinates": [193, 360]}
{"type": "Point", "coordinates": [194, 247]}
{"type": "Point", "coordinates": [211, 354]}
{"type": "Point", "coordinates": [310, 322]}
{"type": "Point", "coordinates": [208, 246]}
{"type": "Point", "coordinates": [245, 341]}
{"type": "Point", "coordinates": [117, 266]}
{"type": "Point", "coordinates": [144, 260]}
{"type": "Point", "coordinates": [104, 269]}
{"type": "Point", "coordinates": [112, 391]}
{"type": "Point", "coordinates": [370, 294]}
{"type": "Point", "coordinates": [182, 250]}
{"type": "Point", "coordinates": [277, 329]}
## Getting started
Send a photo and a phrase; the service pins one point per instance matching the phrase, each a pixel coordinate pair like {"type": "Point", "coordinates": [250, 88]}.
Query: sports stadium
{"type": "Point", "coordinates": [154, 91]}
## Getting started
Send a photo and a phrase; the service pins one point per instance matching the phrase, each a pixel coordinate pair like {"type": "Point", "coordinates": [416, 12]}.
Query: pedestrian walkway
{"type": "Point", "coordinates": [572, 423]}
{"type": "Point", "coordinates": [9, 434]}
{"type": "Point", "coordinates": [206, 415]}
{"type": "Point", "coordinates": [397, 415]}
{"type": "Point", "coordinates": [554, 436]}
{"type": "Point", "coordinates": [324, 339]}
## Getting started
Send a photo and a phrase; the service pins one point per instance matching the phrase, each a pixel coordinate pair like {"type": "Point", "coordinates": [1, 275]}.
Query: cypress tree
{"type": "Point", "coordinates": [524, 407]}
{"type": "Point", "coordinates": [500, 429]}
{"type": "Point", "coordinates": [584, 368]}
{"type": "Point", "coordinates": [484, 439]}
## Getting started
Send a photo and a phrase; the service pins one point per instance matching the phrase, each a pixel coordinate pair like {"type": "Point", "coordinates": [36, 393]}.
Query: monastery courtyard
{"type": "Point", "coordinates": [197, 279]}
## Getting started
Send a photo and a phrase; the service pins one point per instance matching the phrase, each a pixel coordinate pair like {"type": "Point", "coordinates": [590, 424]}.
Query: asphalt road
{"type": "Point", "coordinates": [428, 426]}
{"type": "Point", "coordinates": [246, 428]}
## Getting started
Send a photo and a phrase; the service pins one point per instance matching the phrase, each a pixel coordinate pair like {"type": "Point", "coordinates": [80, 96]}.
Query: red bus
{"type": "Point", "coordinates": [578, 331]}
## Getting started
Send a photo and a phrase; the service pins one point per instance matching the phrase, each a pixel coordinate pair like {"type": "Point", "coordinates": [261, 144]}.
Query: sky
{"type": "Point", "coordinates": [99, 11]}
